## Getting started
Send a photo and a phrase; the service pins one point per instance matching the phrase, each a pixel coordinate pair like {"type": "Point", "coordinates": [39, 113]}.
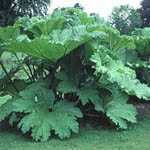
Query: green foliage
{"type": "Point", "coordinates": [66, 63]}
{"type": "Point", "coordinates": [67, 84]}
{"type": "Point", "coordinates": [115, 70]}
{"type": "Point", "coordinates": [126, 19]}
{"type": "Point", "coordinates": [126, 79]}
{"type": "Point", "coordinates": [4, 99]}
{"type": "Point", "coordinates": [10, 9]}
{"type": "Point", "coordinates": [120, 114]}
{"type": "Point", "coordinates": [141, 55]}
{"type": "Point", "coordinates": [42, 114]}
{"type": "Point", "coordinates": [109, 62]}
{"type": "Point", "coordinates": [118, 110]}
{"type": "Point", "coordinates": [52, 47]}
{"type": "Point", "coordinates": [86, 93]}
{"type": "Point", "coordinates": [5, 106]}
{"type": "Point", "coordinates": [48, 41]}
{"type": "Point", "coordinates": [145, 10]}
{"type": "Point", "coordinates": [142, 41]}
{"type": "Point", "coordinates": [90, 94]}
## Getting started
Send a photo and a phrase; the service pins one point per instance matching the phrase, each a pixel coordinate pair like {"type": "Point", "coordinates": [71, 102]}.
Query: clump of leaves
{"type": "Point", "coordinates": [83, 63]}
{"type": "Point", "coordinates": [42, 114]}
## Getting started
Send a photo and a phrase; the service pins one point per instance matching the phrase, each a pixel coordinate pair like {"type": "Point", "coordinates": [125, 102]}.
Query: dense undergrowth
{"type": "Point", "coordinates": [57, 68]}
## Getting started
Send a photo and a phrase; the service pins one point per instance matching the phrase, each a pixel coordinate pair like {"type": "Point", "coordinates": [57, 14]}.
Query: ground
{"type": "Point", "coordinates": [136, 138]}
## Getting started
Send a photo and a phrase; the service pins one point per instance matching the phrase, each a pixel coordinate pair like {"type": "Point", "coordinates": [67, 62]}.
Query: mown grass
{"type": "Point", "coordinates": [136, 138]}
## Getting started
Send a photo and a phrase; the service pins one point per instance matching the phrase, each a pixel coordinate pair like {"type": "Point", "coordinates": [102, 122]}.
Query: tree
{"type": "Point", "coordinates": [145, 13]}
{"type": "Point", "coordinates": [11, 9]}
{"type": "Point", "coordinates": [78, 5]}
{"type": "Point", "coordinates": [125, 19]}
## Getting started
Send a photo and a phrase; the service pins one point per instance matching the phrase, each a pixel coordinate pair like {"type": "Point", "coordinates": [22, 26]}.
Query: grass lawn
{"type": "Point", "coordinates": [136, 138]}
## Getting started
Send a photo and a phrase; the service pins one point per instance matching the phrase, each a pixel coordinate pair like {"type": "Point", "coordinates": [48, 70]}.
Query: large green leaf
{"type": "Point", "coordinates": [8, 33]}
{"type": "Point", "coordinates": [86, 93]}
{"type": "Point", "coordinates": [41, 25]}
{"type": "Point", "coordinates": [116, 72]}
{"type": "Point", "coordinates": [10, 63]}
{"type": "Point", "coordinates": [4, 99]}
{"type": "Point", "coordinates": [90, 94]}
{"type": "Point", "coordinates": [118, 109]}
{"type": "Point", "coordinates": [66, 84]}
{"type": "Point", "coordinates": [126, 79]}
{"type": "Point", "coordinates": [52, 47]}
{"type": "Point", "coordinates": [5, 106]}
{"type": "Point", "coordinates": [120, 114]}
{"type": "Point", "coordinates": [43, 115]}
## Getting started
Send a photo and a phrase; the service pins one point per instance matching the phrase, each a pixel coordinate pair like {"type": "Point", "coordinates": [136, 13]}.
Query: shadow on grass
{"type": "Point", "coordinates": [137, 137]}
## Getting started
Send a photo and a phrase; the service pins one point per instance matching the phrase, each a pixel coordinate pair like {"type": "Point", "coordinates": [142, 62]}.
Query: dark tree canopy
{"type": "Point", "coordinates": [78, 5]}
{"type": "Point", "coordinates": [11, 9]}
{"type": "Point", "coordinates": [145, 13]}
{"type": "Point", "coordinates": [125, 19]}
